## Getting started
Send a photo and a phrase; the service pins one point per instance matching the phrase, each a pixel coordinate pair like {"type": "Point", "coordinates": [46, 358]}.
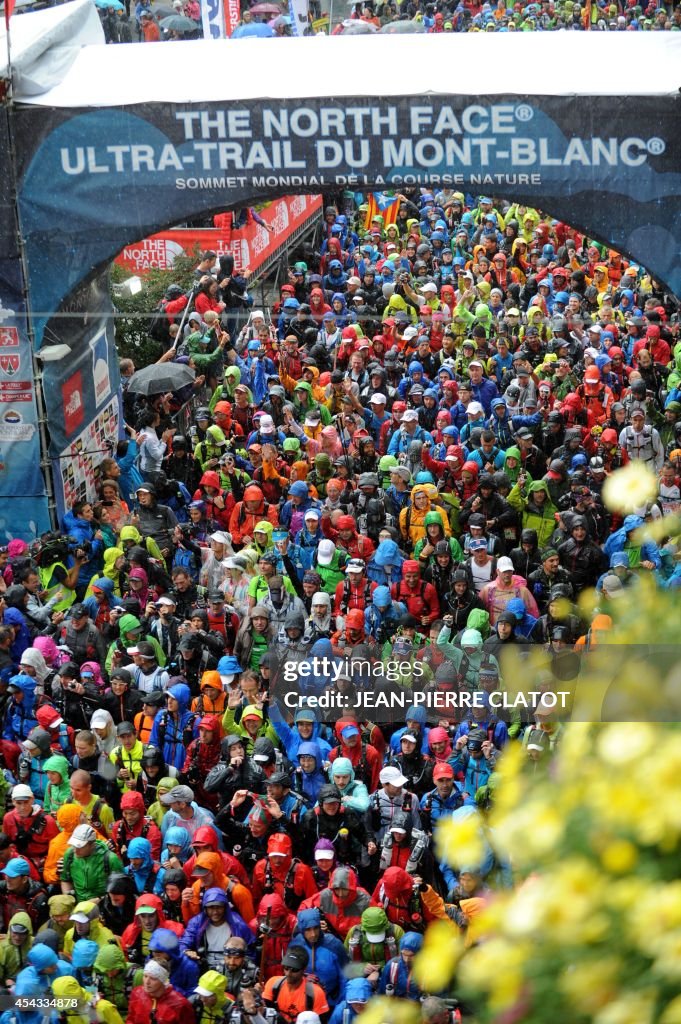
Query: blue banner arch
{"type": "Point", "coordinates": [92, 181]}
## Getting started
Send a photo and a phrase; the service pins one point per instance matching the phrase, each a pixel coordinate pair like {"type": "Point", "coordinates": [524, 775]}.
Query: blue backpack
{"type": "Point", "coordinates": [186, 559]}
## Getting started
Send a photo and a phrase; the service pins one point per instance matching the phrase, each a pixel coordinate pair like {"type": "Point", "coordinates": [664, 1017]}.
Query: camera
{"type": "Point", "coordinates": [81, 549]}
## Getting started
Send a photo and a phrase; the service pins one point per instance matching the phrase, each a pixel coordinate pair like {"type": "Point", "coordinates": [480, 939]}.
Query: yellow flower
{"type": "Point", "coordinates": [459, 840]}
{"type": "Point", "coordinates": [623, 743]}
{"type": "Point", "coordinates": [619, 856]}
{"type": "Point", "coordinates": [672, 1012]}
{"type": "Point", "coordinates": [382, 1010]}
{"type": "Point", "coordinates": [531, 831]}
{"type": "Point", "coordinates": [591, 984]}
{"type": "Point", "coordinates": [435, 965]}
{"type": "Point", "coordinates": [629, 488]}
{"type": "Point", "coordinates": [496, 967]}
{"type": "Point", "coordinates": [631, 1008]}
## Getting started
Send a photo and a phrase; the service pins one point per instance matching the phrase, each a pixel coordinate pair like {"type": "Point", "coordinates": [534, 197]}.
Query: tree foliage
{"type": "Point", "coordinates": [135, 312]}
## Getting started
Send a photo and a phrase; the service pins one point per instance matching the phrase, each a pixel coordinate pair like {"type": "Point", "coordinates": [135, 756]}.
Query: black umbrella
{"type": "Point", "coordinates": [178, 23]}
{"type": "Point", "coordinates": [161, 377]}
{"type": "Point", "coordinates": [163, 12]}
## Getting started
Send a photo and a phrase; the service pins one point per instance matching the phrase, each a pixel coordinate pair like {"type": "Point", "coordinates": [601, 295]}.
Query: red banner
{"type": "Point", "coordinates": [251, 245]}
{"type": "Point", "coordinates": [232, 15]}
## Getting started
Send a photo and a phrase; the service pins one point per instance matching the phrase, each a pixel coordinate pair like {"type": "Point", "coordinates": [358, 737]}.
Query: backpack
{"type": "Point", "coordinates": [309, 993]}
{"type": "Point", "coordinates": [647, 446]}
{"type": "Point", "coordinates": [187, 730]}
{"type": "Point", "coordinates": [185, 559]}
{"type": "Point", "coordinates": [345, 598]}
{"type": "Point", "coordinates": [159, 328]}
{"type": "Point", "coordinates": [107, 859]}
{"type": "Point", "coordinates": [410, 593]}
{"type": "Point", "coordinates": [25, 835]}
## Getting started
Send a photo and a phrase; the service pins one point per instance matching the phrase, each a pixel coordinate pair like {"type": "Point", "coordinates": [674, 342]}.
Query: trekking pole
{"type": "Point", "coordinates": [265, 928]}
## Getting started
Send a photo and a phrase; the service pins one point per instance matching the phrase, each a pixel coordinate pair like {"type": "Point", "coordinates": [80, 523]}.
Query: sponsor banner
{"type": "Point", "coordinates": [75, 468]}
{"type": "Point", "coordinates": [81, 393]}
{"type": "Point", "coordinates": [232, 15]}
{"type": "Point", "coordinates": [23, 498]}
{"type": "Point", "coordinates": [90, 181]}
{"type": "Point", "coordinates": [212, 19]}
{"type": "Point", "coordinates": [251, 245]}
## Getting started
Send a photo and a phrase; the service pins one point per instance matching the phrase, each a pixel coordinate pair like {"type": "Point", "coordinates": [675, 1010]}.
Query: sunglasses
{"type": "Point", "coordinates": [234, 952]}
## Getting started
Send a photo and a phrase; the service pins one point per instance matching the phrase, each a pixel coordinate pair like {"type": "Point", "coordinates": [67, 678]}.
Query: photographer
{"type": "Point", "coordinates": [234, 771]}
{"type": "Point", "coordinates": [163, 624]}
{"type": "Point", "coordinates": [154, 520]}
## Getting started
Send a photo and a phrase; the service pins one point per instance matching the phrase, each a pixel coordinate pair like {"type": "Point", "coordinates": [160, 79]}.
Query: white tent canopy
{"type": "Point", "coordinates": [45, 43]}
{"type": "Point", "coordinates": [549, 64]}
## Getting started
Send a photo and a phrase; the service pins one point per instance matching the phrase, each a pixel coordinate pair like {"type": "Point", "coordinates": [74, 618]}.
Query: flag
{"type": "Point", "coordinates": [385, 206]}
{"type": "Point", "coordinates": [9, 10]}
{"type": "Point", "coordinates": [298, 12]}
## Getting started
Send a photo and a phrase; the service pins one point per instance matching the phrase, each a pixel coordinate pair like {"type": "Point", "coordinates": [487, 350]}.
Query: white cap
{"type": "Point", "coordinates": [354, 280]}
{"type": "Point", "coordinates": [378, 399]}
{"type": "Point", "coordinates": [410, 333]}
{"type": "Point", "coordinates": [392, 775]}
{"type": "Point", "coordinates": [595, 328]}
{"type": "Point", "coordinates": [409, 416]}
{"type": "Point", "coordinates": [22, 792]}
{"type": "Point", "coordinates": [429, 287]}
{"type": "Point", "coordinates": [475, 408]}
{"type": "Point", "coordinates": [131, 650]}
{"type": "Point", "coordinates": [505, 565]}
{"type": "Point", "coordinates": [203, 992]}
{"type": "Point", "coordinates": [82, 835]}
{"type": "Point", "coordinates": [167, 601]}
{"type": "Point", "coordinates": [220, 537]}
{"type": "Point", "coordinates": [476, 362]}
{"type": "Point", "coordinates": [375, 937]}
{"type": "Point", "coordinates": [266, 424]}
{"type": "Point", "coordinates": [257, 314]}
{"type": "Point", "coordinates": [325, 552]}
{"type": "Point", "coordinates": [324, 854]}
{"type": "Point", "coordinates": [100, 719]}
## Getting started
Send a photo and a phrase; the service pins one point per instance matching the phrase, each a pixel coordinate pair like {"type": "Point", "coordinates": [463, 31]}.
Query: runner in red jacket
{"type": "Point", "coordinates": [156, 1000]}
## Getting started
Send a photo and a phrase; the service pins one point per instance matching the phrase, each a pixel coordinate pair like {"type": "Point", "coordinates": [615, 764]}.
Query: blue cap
{"type": "Point", "coordinates": [16, 867]}
{"type": "Point", "coordinates": [291, 304]}
{"type": "Point", "coordinates": [254, 346]}
{"type": "Point", "coordinates": [349, 731]}
{"type": "Point", "coordinates": [477, 544]}
{"type": "Point", "coordinates": [619, 558]}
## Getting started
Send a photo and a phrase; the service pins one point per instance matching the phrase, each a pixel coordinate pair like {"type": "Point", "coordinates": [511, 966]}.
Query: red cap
{"type": "Point", "coordinates": [443, 771]}
{"type": "Point", "coordinates": [410, 566]}
{"type": "Point", "coordinates": [209, 722]}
